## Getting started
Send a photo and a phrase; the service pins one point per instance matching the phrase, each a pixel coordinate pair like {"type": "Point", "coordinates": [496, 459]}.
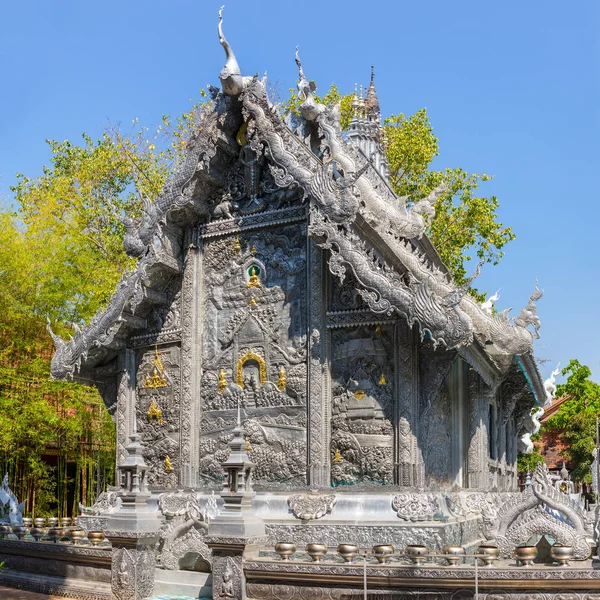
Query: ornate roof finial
{"type": "Point", "coordinates": [308, 107]}
{"type": "Point", "coordinates": [231, 76]}
{"type": "Point", "coordinates": [371, 100]}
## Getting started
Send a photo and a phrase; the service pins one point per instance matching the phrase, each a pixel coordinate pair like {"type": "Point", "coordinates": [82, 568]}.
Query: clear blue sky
{"type": "Point", "coordinates": [512, 89]}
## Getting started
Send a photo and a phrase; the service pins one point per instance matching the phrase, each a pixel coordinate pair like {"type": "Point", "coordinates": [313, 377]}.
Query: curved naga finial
{"type": "Point", "coordinates": [550, 385]}
{"type": "Point", "coordinates": [488, 305]}
{"type": "Point", "coordinates": [309, 109]}
{"type": "Point", "coordinates": [232, 81]}
{"type": "Point", "coordinates": [455, 296]}
{"type": "Point", "coordinates": [528, 316]}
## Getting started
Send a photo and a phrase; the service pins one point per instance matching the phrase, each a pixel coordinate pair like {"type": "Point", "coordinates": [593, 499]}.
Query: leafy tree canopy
{"type": "Point", "coordinates": [575, 420]}
{"type": "Point", "coordinates": [466, 224]}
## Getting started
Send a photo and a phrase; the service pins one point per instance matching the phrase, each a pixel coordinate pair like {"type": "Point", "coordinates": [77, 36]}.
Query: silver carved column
{"type": "Point", "coordinates": [409, 470]}
{"type": "Point", "coordinates": [318, 446]}
{"type": "Point", "coordinates": [126, 399]}
{"type": "Point", "coordinates": [191, 340]}
{"type": "Point", "coordinates": [477, 458]}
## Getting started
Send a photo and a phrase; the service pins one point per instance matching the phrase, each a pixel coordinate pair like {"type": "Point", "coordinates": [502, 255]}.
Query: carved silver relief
{"type": "Point", "coordinates": [539, 510]}
{"type": "Point", "coordinates": [415, 506]}
{"type": "Point", "coordinates": [184, 529]}
{"type": "Point", "coordinates": [158, 412]}
{"type": "Point", "coordinates": [361, 422]}
{"type": "Point", "coordinates": [254, 351]}
{"type": "Point", "coordinates": [311, 506]}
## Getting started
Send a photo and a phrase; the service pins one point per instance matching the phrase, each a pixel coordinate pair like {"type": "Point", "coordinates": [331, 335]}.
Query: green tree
{"type": "Point", "coordinates": [575, 420]}
{"type": "Point", "coordinates": [526, 463]}
{"type": "Point", "coordinates": [466, 224]}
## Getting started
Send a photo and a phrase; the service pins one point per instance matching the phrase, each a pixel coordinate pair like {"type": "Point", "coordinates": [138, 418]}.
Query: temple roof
{"type": "Point", "coordinates": [368, 231]}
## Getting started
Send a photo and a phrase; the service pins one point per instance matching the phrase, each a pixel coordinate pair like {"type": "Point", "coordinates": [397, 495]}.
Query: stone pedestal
{"type": "Point", "coordinates": [133, 564]}
{"type": "Point", "coordinates": [236, 527]}
{"type": "Point", "coordinates": [229, 581]}
{"type": "Point", "coordinates": [133, 530]}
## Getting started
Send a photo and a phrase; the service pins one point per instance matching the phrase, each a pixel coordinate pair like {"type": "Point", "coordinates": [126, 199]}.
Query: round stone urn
{"type": "Point", "coordinates": [561, 554]}
{"type": "Point", "coordinates": [453, 554]}
{"type": "Point", "coordinates": [490, 555]}
{"type": "Point", "coordinates": [383, 552]}
{"type": "Point", "coordinates": [347, 551]}
{"type": "Point", "coordinates": [525, 555]}
{"type": "Point", "coordinates": [285, 549]}
{"type": "Point", "coordinates": [416, 553]}
{"type": "Point", "coordinates": [316, 551]}
{"type": "Point", "coordinates": [95, 537]}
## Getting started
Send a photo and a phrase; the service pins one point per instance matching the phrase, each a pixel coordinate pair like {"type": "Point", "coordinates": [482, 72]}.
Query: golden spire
{"type": "Point", "coordinates": [253, 281]}
{"type": "Point", "coordinates": [337, 457]}
{"type": "Point", "coordinates": [222, 381]}
{"type": "Point", "coordinates": [282, 381]}
{"type": "Point", "coordinates": [168, 465]}
{"type": "Point", "coordinates": [154, 412]}
{"type": "Point", "coordinates": [382, 380]}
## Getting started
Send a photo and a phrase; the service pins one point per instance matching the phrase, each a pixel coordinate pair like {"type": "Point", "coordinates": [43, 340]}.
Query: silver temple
{"type": "Point", "coordinates": [280, 278]}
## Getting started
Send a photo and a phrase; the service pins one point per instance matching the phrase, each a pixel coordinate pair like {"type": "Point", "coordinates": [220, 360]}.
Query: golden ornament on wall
{"type": "Point", "coordinates": [337, 457]}
{"type": "Point", "coordinates": [359, 394]}
{"type": "Point", "coordinates": [253, 280]}
{"type": "Point", "coordinates": [168, 465]}
{"type": "Point", "coordinates": [282, 380]}
{"type": "Point", "coordinates": [239, 370]}
{"type": "Point", "coordinates": [158, 378]}
{"type": "Point", "coordinates": [237, 247]}
{"type": "Point", "coordinates": [382, 380]}
{"type": "Point", "coordinates": [154, 412]}
{"type": "Point", "coordinates": [222, 381]}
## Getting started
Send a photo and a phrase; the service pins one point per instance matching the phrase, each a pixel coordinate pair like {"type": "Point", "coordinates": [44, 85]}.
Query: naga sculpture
{"type": "Point", "coordinates": [11, 511]}
{"type": "Point", "coordinates": [534, 512]}
{"type": "Point", "coordinates": [232, 80]}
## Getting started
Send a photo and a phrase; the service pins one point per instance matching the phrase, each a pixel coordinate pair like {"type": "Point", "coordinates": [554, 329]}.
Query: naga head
{"type": "Point", "coordinates": [309, 108]}
{"type": "Point", "coordinates": [528, 316]}
{"type": "Point", "coordinates": [62, 365]}
{"type": "Point", "coordinates": [232, 81]}
{"type": "Point", "coordinates": [426, 206]}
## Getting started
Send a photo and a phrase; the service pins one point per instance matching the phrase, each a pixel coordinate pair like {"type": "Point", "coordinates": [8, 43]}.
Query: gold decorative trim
{"type": "Point", "coordinates": [262, 367]}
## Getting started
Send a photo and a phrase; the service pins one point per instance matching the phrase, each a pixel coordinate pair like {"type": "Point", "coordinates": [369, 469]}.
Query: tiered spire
{"type": "Point", "coordinates": [365, 130]}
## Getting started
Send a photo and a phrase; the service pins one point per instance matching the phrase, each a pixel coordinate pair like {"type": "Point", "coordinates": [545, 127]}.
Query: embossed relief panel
{"type": "Point", "coordinates": [362, 436]}
{"type": "Point", "coordinates": [254, 352]}
{"type": "Point", "coordinates": [158, 411]}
